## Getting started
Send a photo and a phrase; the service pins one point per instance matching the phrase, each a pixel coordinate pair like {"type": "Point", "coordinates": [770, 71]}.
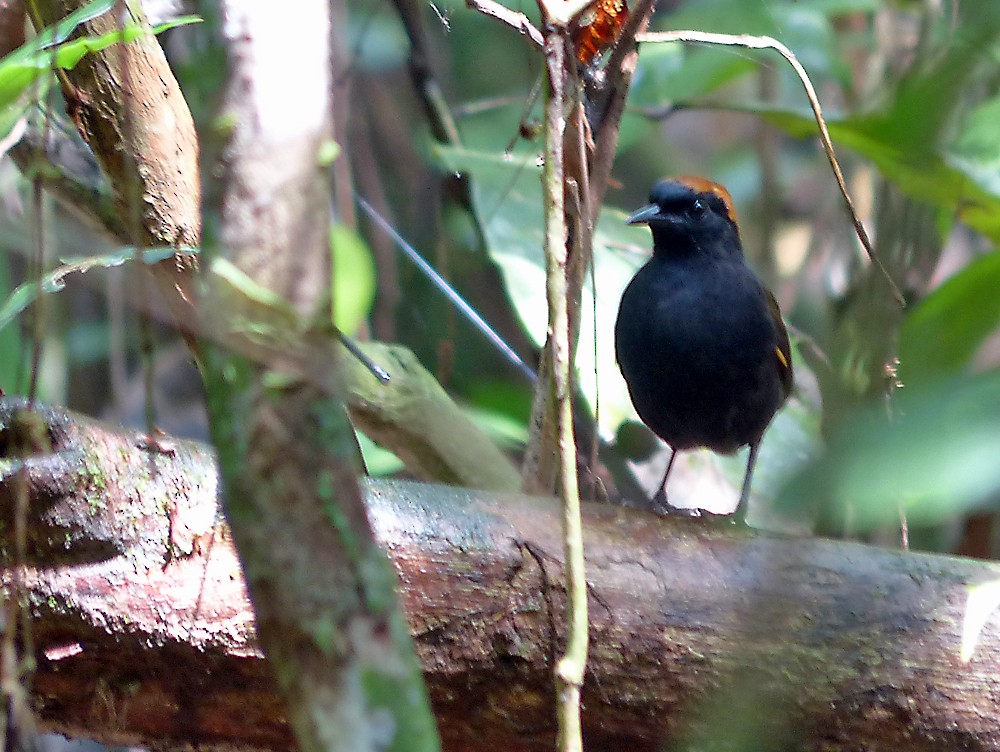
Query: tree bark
{"type": "Point", "coordinates": [700, 633]}
{"type": "Point", "coordinates": [127, 105]}
{"type": "Point", "coordinates": [323, 591]}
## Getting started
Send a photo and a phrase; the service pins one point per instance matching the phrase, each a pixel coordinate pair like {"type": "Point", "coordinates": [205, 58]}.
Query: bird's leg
{"type": "Point", "coordinates": [660, 504]}
{"type": "Point", "coordinates": [740, 515]}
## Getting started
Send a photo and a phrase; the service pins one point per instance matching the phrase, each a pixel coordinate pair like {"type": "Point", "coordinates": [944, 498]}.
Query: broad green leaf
{"type": "Point", "coordinates": [925, 175]}
{"type": "Point", "coordinates": [940, 335]}
{"type": "Point", "coordinates": [938, 459]}
{"type": "Point", "coordinates": [508, 199]}
{"type": "Point", "coordinates": [353, 279]}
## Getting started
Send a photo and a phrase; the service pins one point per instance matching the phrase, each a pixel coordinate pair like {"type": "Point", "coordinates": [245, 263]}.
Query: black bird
{"type": "Point", "coordinates": [699, 339]}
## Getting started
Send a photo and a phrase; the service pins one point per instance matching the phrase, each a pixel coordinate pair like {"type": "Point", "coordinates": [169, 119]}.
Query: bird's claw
{"type": "Point", "coordinates": [664, 508]}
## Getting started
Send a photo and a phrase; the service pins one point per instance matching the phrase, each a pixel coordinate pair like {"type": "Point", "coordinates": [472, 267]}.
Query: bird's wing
{"type": "Point", "coordinates": [783, 352]}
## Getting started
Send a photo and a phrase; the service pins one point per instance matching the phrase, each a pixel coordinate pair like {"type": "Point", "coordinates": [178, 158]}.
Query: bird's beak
{"type": "Point", "coordinates": [643, 215]}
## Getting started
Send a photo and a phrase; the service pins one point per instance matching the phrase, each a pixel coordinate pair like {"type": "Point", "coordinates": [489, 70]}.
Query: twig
{"type": "Point", "coordinates": [69, 171]}
{"type": "Point", "coordinates": [757, 43]}
{"type": "Point", "coordinates": [572, 665]}
{"type": "Point", "coordinates": [611, 106]}
{"type": "Point", "coordinates": [440, 118]}
{"type": "Point", "coordinates": [517, 21]}
{"type": "Point", "coordinates": [449, 292]}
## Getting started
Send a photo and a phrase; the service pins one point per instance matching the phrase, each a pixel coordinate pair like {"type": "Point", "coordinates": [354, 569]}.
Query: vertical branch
{"type": "Point", "coordinates": [322, 590]}
{"type": "Point", "coordinates": [571, 667]}
{"type": "Point", "coordinates": [591, 142]}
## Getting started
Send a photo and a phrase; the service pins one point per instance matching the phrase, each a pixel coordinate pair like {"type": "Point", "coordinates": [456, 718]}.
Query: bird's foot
{"type": "Point", "coordinates": [664, 508]}
{"type": "Point", "coordinates": [737, 520]}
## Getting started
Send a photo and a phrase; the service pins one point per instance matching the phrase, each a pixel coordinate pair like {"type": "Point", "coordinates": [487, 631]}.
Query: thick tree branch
{"type": "Point", "coordinates": [414, 417]}
{"type": "Point", "coordinates": [144, 634]}
{"type": "Point", "coordinates": [128, 107]}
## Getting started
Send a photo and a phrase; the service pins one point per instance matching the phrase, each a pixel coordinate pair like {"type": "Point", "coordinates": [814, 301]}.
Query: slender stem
{"type": "Point", "coordinates": [517, 21]}
{"type": "Point", "coordinates": [571, 666]}
{"type": "Point", "coordinates": [759, 43]}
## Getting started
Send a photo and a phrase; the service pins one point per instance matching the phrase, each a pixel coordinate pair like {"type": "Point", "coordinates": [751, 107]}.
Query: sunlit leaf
{"type": "Point", "coordinates": [49, 49]}
{"type": "Point", "coordinates": [70, 53]}
{"type": "Point", "coordinates": [378, 461]}
{"type": "Point", "coordinates": [353, 278]}
{"type": "Point", "coordinates": [25, 64]}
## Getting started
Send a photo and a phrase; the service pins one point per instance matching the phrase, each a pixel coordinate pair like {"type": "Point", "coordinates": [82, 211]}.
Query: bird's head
{"type": "Point", "coordinates": [689, 210]}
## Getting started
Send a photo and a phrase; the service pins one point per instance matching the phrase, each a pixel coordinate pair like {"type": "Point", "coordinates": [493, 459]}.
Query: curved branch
{"type": "Point", "coordinates": [763, 42]}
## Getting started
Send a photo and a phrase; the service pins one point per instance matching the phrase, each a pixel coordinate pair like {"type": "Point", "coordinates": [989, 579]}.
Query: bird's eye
{"type": "Point", "coordinates": [697, 208]}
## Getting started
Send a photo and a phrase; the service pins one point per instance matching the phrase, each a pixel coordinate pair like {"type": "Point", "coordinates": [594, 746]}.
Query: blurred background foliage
{"type": "Point", "coordinates": [910, 90]}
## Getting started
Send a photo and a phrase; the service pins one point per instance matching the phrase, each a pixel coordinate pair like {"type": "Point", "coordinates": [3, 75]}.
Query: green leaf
{"type": "Point", "coordinates": [23, 67]}
{"type": "Point", "coordinates": [926, 174]}
{"type": "Point", "coordinates": [507, 195]}
{"type": "Point", "coordinates": [906, 138]}
{"type": "Point", "coordinates": [353, 280]}
{"type": "Point", "coordinates": [378, 460]}
{"type": "Point", "coordinates": [11, 365]}
{"type": "Point", "coordinates": [940, 336]}
{"type": "Point", "coordinates": [504, 431]}
{"type": "Point", "coordinates": [54, 281]}
{"type": "Point", "coordinates": [247, 286]}
{"type": "Point", "coordinates": [805, 28]}
{"type": "Point", "coordinates": [69, 54]}
{"type": "Point", "coordinates": [936, 460]}
{"type": "Point", "coordinates": [976, 151]}
{"type": "Point", "coordinates": [669, 73]}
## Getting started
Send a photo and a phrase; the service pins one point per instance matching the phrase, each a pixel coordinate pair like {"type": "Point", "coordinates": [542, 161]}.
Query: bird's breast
{"type": "Point", "coordinates": [696, 345]}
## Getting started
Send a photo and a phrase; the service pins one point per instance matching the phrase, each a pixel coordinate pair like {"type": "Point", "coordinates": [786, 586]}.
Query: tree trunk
{"type": "Point", "coordinates": [323, 591]}
{"type": "Point", "coordinates": [701, 634]}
